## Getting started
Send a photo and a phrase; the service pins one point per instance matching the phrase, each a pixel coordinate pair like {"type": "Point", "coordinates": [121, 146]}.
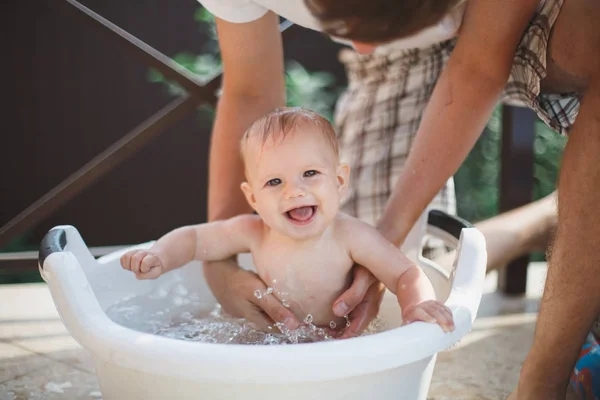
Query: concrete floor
{"type": "Point", "coordinates": [40, 360]}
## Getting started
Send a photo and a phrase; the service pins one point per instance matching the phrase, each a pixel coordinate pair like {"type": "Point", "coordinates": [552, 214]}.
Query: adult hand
{"type": "Point", "coordinates": [360, 302]}
{"type": "Point", "coordinates": [234, 289]}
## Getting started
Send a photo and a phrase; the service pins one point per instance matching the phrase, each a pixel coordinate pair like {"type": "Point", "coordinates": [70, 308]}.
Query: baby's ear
{"type": "Point", "coordinates": [247, 189]}
{"type": "Point", "coordinates": [343, 176]}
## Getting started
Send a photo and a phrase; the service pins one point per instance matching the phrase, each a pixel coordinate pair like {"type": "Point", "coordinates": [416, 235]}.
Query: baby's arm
{"type": "Point", "coordinates": [400, 275]}
{"type": "Point", "coordinates": [205, 242]}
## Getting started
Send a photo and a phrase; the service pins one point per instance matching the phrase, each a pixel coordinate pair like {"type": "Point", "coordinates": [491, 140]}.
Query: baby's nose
{"type": "Point", "coordinates": [295, 191]}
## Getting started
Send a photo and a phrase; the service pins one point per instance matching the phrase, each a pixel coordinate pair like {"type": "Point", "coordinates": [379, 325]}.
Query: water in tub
{"type": "Point", "coordinates": [175, 312]}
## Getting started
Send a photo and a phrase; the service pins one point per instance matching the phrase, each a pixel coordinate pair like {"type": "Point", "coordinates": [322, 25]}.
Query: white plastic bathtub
{"type": "Point", "coordinates": [395, 364]}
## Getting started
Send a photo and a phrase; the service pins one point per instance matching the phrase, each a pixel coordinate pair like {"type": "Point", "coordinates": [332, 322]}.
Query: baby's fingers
{"type": "Point", "coordinates": [442, 315]}
{"type": "Point", "coordinates": [148, 262]}
{"type": "Point", "coordinates": [126, 259]}
{"type": "Point", "coordinates": [153, 273]}
{"type": "Point", "coordinates": [136, 261]}
{"type": "Point", "coordinates": [420, 313]}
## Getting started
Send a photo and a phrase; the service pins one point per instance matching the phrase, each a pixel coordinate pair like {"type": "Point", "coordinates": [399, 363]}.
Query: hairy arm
{"type": "Point", "coordinates": [253, 84]}
{"type": "Point", "coordinates": [211, 241]}
{"type": "Point", "coordinates": [460, 106]}
{"type": "Point", "coordinates": [400, 275]}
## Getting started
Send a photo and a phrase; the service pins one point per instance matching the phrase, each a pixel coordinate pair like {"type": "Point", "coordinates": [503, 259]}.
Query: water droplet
{"type": "Point", "coordinates": [186, 315]}
{"type": "Point", "coordinates": [192, 321]}
{"type": "Point", "coordinates": [347, 320]}
{"type": "Point", "coordinates": [55, 387]}
{"type": "Point", "coordinates": [257, 294]}
{"type": "Point", "coordinates": [332, 324]}
{"type": "Point", "coordinates": [216, 312]}
{"type": "Point", "coordinates": [285, 303]}
{"type": "Point", "coordinates": [181, 290]}
{"type": "Point", "coordinates": [274, 282]}
{"type": "Point", "coordinates": [269, 290]}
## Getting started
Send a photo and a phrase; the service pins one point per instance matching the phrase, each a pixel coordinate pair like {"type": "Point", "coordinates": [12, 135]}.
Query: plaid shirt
{"type": "Point", "coordinates": [377, 118]}
{"type": "Point", "coordinates": [378, 115]}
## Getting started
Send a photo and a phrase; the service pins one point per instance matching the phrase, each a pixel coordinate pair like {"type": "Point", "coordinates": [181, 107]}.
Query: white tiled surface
{"type": "Point", "coordinates": [39, 360]}
{"type": "Point", "coordinates": [486, 363]}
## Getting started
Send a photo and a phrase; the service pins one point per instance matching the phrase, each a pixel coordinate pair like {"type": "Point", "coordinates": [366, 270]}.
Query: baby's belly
{"type": "Point", "coordinates": [309, 296]}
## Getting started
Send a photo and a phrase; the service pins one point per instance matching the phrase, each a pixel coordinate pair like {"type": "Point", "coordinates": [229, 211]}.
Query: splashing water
{"type": "Point", "coordinates": [177, 314]}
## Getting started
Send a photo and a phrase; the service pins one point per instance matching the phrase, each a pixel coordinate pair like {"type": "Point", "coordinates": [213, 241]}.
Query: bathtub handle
{"type": "Point", "coordinates": [53, 242]}
{"type": "Point", "coordinates": [448, 223]}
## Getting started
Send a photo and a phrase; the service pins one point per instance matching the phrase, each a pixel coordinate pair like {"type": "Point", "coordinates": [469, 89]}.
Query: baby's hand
{"type": "Point", "coordinates": [144, 264]}
{"type": "Point", "coordinates": [430, 311]}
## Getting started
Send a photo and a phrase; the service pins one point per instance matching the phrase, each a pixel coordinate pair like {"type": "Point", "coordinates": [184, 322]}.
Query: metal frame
{"type": "Point", "coordinates": [517, 150]}
{"type": "Point", "coordinates": [516, 183]}
{"type": "Point", "coordinates": [197, 94]}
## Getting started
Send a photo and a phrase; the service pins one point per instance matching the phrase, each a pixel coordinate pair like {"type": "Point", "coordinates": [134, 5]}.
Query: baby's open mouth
{"type": "Point", "coordinates": [301, 215]}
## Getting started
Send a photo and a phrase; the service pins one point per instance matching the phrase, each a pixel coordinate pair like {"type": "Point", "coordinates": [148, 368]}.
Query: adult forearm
{"type": "Point", "coordinates": [460, 107]}
{"type": "Point", "coordinates": [235, 112]}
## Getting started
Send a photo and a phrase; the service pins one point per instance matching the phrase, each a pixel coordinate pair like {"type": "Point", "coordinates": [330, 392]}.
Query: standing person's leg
{"type": "Point", "coordinates": [571, 299]}
{"type": "Point", "coordinates": [565, 33]}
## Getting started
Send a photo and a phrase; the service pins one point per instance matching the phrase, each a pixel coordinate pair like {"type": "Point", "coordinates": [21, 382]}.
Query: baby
{"type": "Point", "coordinates": [299, 238]}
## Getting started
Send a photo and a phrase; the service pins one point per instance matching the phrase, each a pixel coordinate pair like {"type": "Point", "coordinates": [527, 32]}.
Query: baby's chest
{"type": "Point", "coordinates": [304, 272]}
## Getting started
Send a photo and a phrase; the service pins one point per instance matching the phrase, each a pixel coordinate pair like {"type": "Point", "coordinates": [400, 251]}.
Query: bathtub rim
{"type": "Point", "coordinates": [109, 342]}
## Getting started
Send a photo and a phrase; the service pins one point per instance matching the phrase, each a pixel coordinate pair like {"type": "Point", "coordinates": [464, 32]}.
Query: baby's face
{"type": "Point", "coordinates": [295, 185]}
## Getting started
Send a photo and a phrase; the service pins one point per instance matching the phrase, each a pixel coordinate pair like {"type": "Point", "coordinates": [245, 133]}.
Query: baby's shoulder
{"type": "Point", "coordinates": [247, 224]}
{"type": "Point", "coordinates": [349, 228]}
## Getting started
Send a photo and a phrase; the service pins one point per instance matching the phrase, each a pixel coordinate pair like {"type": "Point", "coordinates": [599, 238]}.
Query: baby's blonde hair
{"type": "Point", "coordinates": [282, 121]}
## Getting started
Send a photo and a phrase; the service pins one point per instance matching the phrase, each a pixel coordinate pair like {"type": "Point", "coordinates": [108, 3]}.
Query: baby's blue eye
{"type": "Point", "coordinates": [310, 173]}
{"type": "Point", "coordinates": [273, 182]}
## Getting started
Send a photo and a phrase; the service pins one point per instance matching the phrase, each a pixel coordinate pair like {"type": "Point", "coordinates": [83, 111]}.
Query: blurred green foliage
{"type": "Point", "coordinates": [314, 90]}
{"type": "Point", "coordinates": [477, 180]}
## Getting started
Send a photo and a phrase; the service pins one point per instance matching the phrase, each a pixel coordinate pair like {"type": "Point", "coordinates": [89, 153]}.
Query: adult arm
{"type": "Point", "coordinates": [253, 84]}
{"type": "Point", "coordinates": [460, 106]}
